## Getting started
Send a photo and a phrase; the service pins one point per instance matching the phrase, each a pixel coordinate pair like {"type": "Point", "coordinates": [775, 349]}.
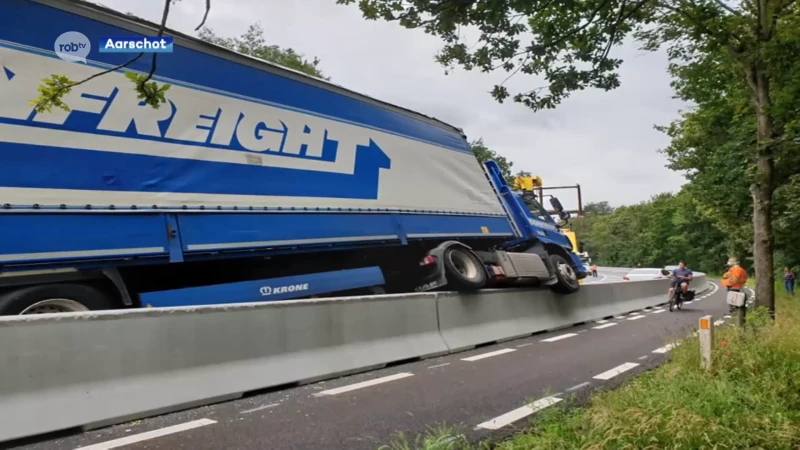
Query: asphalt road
{"type": "Point", "coordinates": [483, 391]}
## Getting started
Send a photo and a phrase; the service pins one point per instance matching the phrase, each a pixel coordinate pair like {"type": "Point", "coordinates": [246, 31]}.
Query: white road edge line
{"type": "Point", "coordinates": [636, 317]}
{"type": "Point", "coordinates": [558, 338]}
{"type": "Point", "coordinates": [609, 374]}
{"type": "Point", "coordinates": [439, 365]}
{"type": "Point", "coordinates": [601, 321]}
{"type": "Point", "coordinates": [666, 348]}
{"type": "Point", "coordinates": [489, 355]}
{"type": "Point", "coordinates": [363, 384]}
{"type": "Point", "coordinates": [517, 414]}
{"type": "Point", "coordinates": [604, 326]}
{"type": "Point", "coordinates": [248, 411]}
{"type": "Point", "coordinates": [127, 440]}
{"type": "Point", "coordinates": [659, 311]}
{"type": "Point", "coordinates": [578, 386]}
{"type": "Point", "coordinates": [525, 345]}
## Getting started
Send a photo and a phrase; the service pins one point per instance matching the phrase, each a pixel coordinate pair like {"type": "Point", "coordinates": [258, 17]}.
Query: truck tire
{"type": "Point", "coordinates": [567, 280]}
{"type": "Point", "coordinates": [463, 270]}
{"type": "Point", "coordinates": [52, 298]}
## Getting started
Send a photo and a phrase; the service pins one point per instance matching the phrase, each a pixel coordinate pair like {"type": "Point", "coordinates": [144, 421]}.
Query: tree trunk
{"type": "Point", "coordinates": [761, 189]}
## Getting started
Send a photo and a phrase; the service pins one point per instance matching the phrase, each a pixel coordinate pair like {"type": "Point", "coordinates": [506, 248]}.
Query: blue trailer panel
{"type": "Point", "coordinates": [245, 176]}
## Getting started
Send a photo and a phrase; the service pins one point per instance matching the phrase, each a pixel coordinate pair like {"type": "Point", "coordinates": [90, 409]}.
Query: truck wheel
{"type": "Point", "coordinates": [567, 280]}
{"type": "Point", "coordinates": [53, 298]}
{"type": "Point", "coordinates": [464, 271]}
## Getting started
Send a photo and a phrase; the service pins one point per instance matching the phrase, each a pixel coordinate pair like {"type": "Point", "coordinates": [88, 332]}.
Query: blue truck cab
{"type": "Point", "coordinates": [251, 183]}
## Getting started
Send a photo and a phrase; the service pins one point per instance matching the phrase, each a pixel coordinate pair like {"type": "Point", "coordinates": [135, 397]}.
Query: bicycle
{"type": "Point", "coordinates": [676, 300]}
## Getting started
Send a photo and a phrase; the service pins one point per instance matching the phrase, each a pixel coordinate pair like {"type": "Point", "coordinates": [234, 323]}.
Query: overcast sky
{"type": "Point", "coordinates": [603, 140]}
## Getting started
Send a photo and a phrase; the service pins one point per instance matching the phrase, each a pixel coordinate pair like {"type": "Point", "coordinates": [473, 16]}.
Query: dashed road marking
{"type": "Point", "coordinates": [363, 384]}
{"type": "Point", "coordinates": [604, 326]}
{"type": "Point", "coordinates": [517, 414]}
{"type": "Point", "coordinates": [636, 317]}
{"type": "Point", "coordinates": [609, 374]}
{"type": "Point", "coordinates": [127, 440]}
{"type": "Point", "coordinates": [525, 345]}
{"type": "Point", "coordinates": [488, 355]}
{"type": "Point", "coordinates": [642, 357]}
{"type": "Point", "coordinates": [558, 338]}
{"type": "Point", "coordinates": [659, 311]}
{"type": "Point", "coordinates": [260, 408]}
{"type": "Point", "coordinates": [439, 365]}
{"type": "Point", "coordinates": [718, 322]}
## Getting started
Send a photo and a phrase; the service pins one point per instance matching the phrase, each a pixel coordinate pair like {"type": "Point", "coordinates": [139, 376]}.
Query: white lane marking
{"type": "Point", "coordinates": [488, 355]}
{"type": "Point", "coordinates": [666, 348]}
{"type": "Point", "coordinates": [604, 326]}
{"type": "Point", "coordinates": [718, 322]}
{"type": "Point", "coordinates": [578, 386]}
{"type": "Point", "coordinates": [558, 338]}
{"type": "Point", "coordinates": [642, 357]}
{"type": "Point", "coordinates": [439, 365]}
{"type": "Point", "coordinates": [601, 321]}
{"type": "Point", "coordinates": [363, 384]}
{"type": "Point", "coordinates": [659, 311]}
{"type": "Point", "coordinates": [127, 440]}
{"type": "Point", "coordinates": [609, 374]}
{"type": "Point", "coordinates": [517, 414]}
{"type": "Point", "coordinates": [727, 316]}
{"type": "Point", "coordinates": [635, 317]}
{"type": "Point", "coordinates": [525, 345]}
{"type": "Point", "coordinates": [259, 408]}
{"type": "Point", "coordinates": [583, 331]}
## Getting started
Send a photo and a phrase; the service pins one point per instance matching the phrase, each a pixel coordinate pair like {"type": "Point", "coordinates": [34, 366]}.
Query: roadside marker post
{"type": "Point", "coordinates": [706, 335]}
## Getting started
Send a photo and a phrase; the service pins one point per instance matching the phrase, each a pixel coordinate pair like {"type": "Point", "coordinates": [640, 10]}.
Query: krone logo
{"type": "Point", "coordinates": [267, 290]}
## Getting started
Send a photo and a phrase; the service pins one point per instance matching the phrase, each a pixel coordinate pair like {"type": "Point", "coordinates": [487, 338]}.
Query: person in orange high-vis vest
{"type": "Point", "coordinates": [735, 278]}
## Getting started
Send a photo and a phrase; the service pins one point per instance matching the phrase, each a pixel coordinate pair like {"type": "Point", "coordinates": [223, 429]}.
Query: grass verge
{"type": "Point", "coordinates": [750, 399]}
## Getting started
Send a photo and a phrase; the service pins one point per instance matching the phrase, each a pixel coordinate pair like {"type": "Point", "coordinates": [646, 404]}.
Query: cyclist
{"type": "Point", "coordinates": [681, 277]}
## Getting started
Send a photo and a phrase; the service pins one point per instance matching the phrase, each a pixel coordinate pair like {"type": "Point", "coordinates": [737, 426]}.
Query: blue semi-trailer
{"type": "Point", "coordinates": [251, 183]}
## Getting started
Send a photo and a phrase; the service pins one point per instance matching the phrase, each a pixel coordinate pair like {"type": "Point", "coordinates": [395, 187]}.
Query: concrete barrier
{"type": "Point", "coordinates": [89, 369]}
{"type": "Point", "coordinates": [62, 371]}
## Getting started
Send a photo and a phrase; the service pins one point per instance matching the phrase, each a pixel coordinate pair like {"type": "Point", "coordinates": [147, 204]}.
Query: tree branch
{"type": "Point", "coordinates": [65, 88]}
{"type": "Point", "coordinates": [205, 16]}
{"type": "Point", "coordinates": [63, 85]}
{"type": "Point", "coordinates": [577, 30]}
{"type": "Point", "coordinates": [161, 29]}
{"type": "Point", "coordinates": [722, 4]}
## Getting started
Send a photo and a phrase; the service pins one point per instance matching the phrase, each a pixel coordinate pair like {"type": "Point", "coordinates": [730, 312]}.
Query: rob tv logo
{"type": "Point", "coordinates": [73, 46]}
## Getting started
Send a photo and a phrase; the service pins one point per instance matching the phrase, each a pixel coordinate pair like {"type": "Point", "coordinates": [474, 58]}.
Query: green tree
{"type": "Point", "coordinates": [598, 209]}
{"type": "Point", "coordinates": [253, 43]}
{"type": "Point", "coordinates": [570, 47]}
{"type": "Point", "coordinates": [484, 153]}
